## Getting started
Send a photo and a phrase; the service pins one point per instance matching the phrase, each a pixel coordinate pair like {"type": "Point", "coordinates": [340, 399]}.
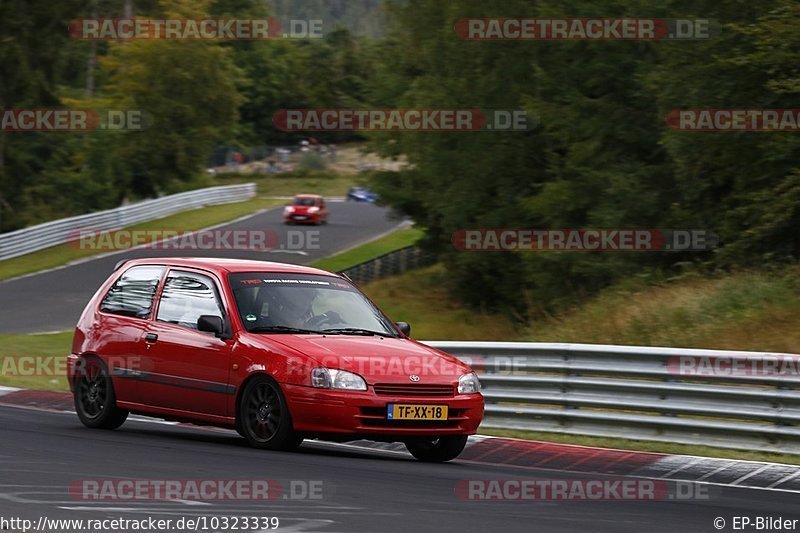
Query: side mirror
{"type": "Point", "coordinates": [404, 327]}
{"type": "Point", "coordinates": [210, 323]}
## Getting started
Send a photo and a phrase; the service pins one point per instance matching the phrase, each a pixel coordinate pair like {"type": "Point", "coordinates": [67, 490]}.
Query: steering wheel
{"type": "Point", "coordinates": [331, 317]}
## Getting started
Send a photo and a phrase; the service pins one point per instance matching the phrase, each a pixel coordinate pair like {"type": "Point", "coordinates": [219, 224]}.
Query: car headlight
{"type": "Point", "coordinates": [288, 209]}
{"type": "Point", "coordinates": [327, 378]}
{"type": "Point", "coordinates": [313, 209]}
{"type": "Point", "coordinates": [469, 384]}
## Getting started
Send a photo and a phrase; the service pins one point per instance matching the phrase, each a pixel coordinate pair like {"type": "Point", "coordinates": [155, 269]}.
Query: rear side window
{"type": "Point", "coordinates": [133, 293]}
{"type": "Point", "coordinates": [186, 297]}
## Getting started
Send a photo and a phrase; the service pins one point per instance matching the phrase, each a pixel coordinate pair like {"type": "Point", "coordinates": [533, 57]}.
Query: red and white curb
{"type": "Point", "coordinates": [518, 453]}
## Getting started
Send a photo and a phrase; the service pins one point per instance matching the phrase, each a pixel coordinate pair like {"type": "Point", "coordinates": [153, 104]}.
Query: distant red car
{"type": "Point", "coordinates": [306, 209]}
{"type": "Point", "coordinates": [279, 352]}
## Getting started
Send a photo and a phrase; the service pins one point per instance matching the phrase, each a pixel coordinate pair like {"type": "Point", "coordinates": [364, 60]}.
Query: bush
{"type": "Point", "coordinates": [311, 161]}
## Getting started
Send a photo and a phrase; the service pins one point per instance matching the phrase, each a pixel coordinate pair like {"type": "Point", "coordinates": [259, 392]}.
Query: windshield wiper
{"type": "Point", "coordinates": [283, 329]}
{"type": "Point", "coordinates": [356, 331]}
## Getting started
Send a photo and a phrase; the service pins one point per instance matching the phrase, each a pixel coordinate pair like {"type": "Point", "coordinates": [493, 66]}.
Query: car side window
{"type": "Point", "coordinates": [187, 296]}
{"type": "Point", "coordinates": [133, 293]}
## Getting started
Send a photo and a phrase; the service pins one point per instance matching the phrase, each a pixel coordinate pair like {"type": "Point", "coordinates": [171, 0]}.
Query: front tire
{"type": "Point", "coordinates": [95, 399]}
{"type": "Point", "coordinates": [437, 450]}
{"type": "Point", "coordinates": [264, 418]}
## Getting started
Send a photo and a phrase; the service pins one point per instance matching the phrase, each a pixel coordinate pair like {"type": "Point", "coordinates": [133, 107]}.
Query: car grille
{"type": "Point", "coordinates": [394, 389]}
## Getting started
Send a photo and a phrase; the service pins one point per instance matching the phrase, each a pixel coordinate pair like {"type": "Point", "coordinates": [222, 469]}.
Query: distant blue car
{"type": "Point", "coordinates": [361, 194]}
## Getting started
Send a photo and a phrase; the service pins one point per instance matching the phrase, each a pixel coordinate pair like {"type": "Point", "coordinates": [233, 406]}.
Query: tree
{"type": "Point", "coordinates": [189, 88]}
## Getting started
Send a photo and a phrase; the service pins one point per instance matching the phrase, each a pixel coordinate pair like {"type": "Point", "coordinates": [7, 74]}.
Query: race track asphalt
{"type": "Point", "coordinates": [53, 300]}
{"type": "Point", "coordinates": [43, 453]}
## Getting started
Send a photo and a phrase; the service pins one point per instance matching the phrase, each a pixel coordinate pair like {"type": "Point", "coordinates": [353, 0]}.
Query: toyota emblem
{"type": "Point", "coordinates": [413, 377]}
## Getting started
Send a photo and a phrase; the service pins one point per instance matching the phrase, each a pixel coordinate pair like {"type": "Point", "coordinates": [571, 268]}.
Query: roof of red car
{"type": "Point", "coordinates": [224, 264]}
{"type": "Point", "coordinates": [308, 196]}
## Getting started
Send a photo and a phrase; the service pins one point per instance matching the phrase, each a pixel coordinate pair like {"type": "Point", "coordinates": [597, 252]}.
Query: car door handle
{"type": "Point", "coordinates": [151, 337]}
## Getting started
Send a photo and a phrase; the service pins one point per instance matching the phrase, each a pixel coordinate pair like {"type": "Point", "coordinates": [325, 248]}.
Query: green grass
{"type": "Point", "coordinates": [420, 298]}
{"type": "Point", "coordinates": [393, 241]}
{"type": "Point", "coordinates": [50, 350]}
{"type": "Point", "coordinates": [757, 311]}
{"type": "Point", "coordinates": [741, 311]}
{"type": "Point", "coordinates": [646, 446]}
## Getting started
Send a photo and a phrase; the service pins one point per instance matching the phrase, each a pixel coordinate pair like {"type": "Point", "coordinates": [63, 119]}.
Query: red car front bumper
{"type": "Point", "coordinates": [364, 414]}
{"type": "Point", "coordinates": [305, 218]}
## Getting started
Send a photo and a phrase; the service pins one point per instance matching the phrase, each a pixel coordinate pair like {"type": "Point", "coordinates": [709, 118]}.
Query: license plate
{"type": "Point", "coordinates": [404, 411]}
{"type": "Point", "coordinates": [300, 217]}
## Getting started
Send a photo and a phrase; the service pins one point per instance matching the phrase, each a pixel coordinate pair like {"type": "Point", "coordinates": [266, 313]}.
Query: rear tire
{"type": "Point", "coordinates": [264, 418]}
{"type": "Point", "coordinates": [95, 399]}
{"type": "Point", "coordinates": [437, 450]}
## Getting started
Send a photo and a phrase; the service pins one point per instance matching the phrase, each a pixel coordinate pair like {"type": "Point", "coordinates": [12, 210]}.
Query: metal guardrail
{"type": "Point", "coordinates": [34, 238]}
{"type": "Point", "coordinates": [742, 400]}
{"type": "Point", "coordinates": [389, 264]}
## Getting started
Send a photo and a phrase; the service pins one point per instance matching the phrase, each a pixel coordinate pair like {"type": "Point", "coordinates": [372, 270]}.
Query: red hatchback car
{"type": "Point", "coordinates": [279, 352]}
{"type": "Point", "coordinates": [306, 209]}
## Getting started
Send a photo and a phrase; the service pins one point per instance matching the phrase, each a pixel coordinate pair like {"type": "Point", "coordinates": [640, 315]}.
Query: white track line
{"type": "Point", "coordinates": [785, 479]}
{"type": "Point", "coordinates": [751, 474]}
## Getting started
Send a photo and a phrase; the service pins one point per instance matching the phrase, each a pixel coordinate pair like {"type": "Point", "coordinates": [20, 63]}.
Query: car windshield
{"type": "Point", "coordinates": [304, 201]}
{"type": "Point", "coordinates": [270, 302]}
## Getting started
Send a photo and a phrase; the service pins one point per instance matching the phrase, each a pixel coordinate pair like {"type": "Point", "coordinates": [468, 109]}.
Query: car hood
{"type": "Point", "coordinates": [378, 359]}
{"type": "Point", "coordinates": [301, 209]}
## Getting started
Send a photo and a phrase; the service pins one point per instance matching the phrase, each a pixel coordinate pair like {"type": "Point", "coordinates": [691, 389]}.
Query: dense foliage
{"type": "Point", "coordinates": [199, 94]}
{"type": "Point", "coordinates": [601, 154]}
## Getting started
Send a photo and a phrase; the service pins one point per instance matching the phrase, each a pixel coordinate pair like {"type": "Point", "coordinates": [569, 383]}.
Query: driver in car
{"type": "Point", "coordinates": [293, 307]}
